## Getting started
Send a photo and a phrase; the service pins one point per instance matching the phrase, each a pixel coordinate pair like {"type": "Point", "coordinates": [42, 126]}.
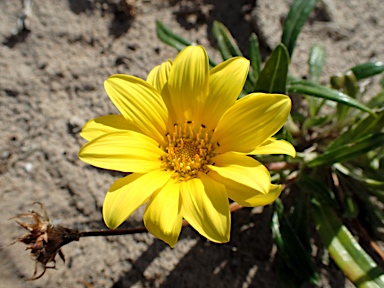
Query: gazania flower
{"type": "Point", "coordinates": [185, 138]}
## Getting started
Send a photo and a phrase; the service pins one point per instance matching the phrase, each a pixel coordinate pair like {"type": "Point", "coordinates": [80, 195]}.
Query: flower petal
{"type": "Point", "coordinates": [226, 81]}
{"type": "Point", "coordinates": [206, 207]}
{"type": "Point", "coordinates": [244, 195]}
{"type": "Point", "coordinates": [162, 215]}
{"type": "Point", "coordinates": [139, 103]}
{"type": "Point", "coordinates": [106, 124]}
{"type": "Point", "coordinates": [274, 146]}
{"type": "Point", "coordinates": [127, 151]}
{"type": "Point", "coordinates": [188, 83]}
{"type": "Point", "coordinates": [261, 199]}
{"type": "Point", "coordinates": [129, 193]}
{"type": "Point", "coordinates": [158, 76]}
{"type": "Point", "coordinates": [250, 122]}
{"type": "Point", "coordinates": [242, 169]}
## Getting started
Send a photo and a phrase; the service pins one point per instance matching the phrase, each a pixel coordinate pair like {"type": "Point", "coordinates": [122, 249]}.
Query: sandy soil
{"type": "Point", "coordinates": [52, 83]}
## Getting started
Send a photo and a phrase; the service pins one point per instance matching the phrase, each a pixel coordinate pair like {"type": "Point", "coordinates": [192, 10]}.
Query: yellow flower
{"type": "Point", "coordinates": [185, 139]}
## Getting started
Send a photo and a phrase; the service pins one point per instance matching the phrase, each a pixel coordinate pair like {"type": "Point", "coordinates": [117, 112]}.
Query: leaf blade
{"type": "Point", "coordinates": [273, 77]}
{"type": "Point", "coordinates": [356, 264]}
{"type": "Point", "coordinates": [348, 151]}
{"type": "Point", "coordinates": [291, 249]}
{"type": "Point", "coordinates": [367, 70]}
{"type": "Point", "coordinates": [297, 16]}
{"type": "Point", "coordinates": [317, 90]}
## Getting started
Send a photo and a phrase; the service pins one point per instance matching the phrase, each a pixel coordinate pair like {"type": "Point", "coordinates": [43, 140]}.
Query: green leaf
{"type": "Point", "coordinates": [316, 187]}
{"type": "Point", "coordinates": [291, 249]}
{"type": "Point", "coordinates": [299, 219]}
{"type": "Point", "coordinates": [348, 151]}
{"type": "Point", "coordinates": [169, 37]}
{"type": "Point", "coordinates": [316, 121]}
{"type": "Point", "coordinates": [297, 16]}
{"type": "Point", "coordinates": [228, 49]}
{"type": "Point", "coordinates": [356, 264]}
{"type": "Point", "coordinates": [255, 56]}
{"type": "Point", "coordinates": [227, 45]}
{"type": "Point", "coordinates": [377, 101]}
{"type": "Point", "coordinates": [367, 125]}
{"type": "Point", "coordinates": [351, 210]}
{"type": "Point", "coordinates": [273, 77]}
{"type": "Point", "coordinates": [367, 70]}
{"type": "Point", "coordinates": [359, 175]}
{"type": "Point", "coordinates": [317, 90]}
{"type": "Point", "coordinates": [351, 87]}
{"type": "Point", "coordinates": [316, 62]}
{"type": "Point", "coordinates": [370, 213]}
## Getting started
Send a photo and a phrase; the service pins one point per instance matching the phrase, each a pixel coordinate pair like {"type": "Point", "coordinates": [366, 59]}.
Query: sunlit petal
{"type": "Point", "coordinates": [188, 83]}
{"type": "Point", "coordinates": [274, 146]}
{"type": "Point", "coordinates": [162, 215]}
{"type": "Point", "coordinates": [225, 84]}
{"type": "Point", "coordinates": [251, 121]}
{"type": "Point", "coordinates": [123, 151]}
{"type": "Point", "coordinates": [139, 103]}
{"type": "Point", "coordinates": [206, 208]}
{"type": "Point", "coordinates": [244, 195]}
{"type": "Point", "coordinates": [242, 169]}
{"type": "Point", "coordinates": [158, 76]}
{"type": "Point", "coordinates": [106, 124]}
{"type": "Point", "coordinates": [129, 193]}
{"type": "Point", "coordinates": [257, 199]}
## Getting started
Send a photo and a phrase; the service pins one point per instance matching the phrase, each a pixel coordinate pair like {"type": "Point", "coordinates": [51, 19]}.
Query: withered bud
{"type": "Point", "coordinates": [44, 239]}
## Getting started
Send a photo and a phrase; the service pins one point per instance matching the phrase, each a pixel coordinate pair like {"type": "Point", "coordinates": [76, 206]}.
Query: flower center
{"type": "Point", "coordinates": [187, 152]}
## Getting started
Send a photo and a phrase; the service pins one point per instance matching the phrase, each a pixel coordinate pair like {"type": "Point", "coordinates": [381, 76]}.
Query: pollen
{"type": "Point", "coordinates": [188, 152]}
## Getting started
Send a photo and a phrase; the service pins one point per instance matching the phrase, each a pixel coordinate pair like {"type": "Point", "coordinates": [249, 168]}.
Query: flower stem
{"type": "Point", "coordinates": [113, 232]}
{"type": "Point", "coordinates": [233, 207]}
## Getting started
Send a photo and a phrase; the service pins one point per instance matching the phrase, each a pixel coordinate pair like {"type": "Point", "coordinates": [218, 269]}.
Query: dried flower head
{"type": "Point", "coordinates": [44, 239]}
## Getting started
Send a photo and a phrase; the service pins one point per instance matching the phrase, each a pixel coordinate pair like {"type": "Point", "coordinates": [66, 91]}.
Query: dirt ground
{"type": "Point", "coordinates": [51, 83]}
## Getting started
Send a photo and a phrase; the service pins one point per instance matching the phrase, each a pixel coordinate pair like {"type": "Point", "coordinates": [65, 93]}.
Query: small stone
{"type": "Point", "coordinates": [28, 167]}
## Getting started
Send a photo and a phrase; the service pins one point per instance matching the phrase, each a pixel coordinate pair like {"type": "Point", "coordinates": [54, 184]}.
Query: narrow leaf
{"type": "Point", "coordinates": [316, 121]}
{"type": "Point", "coordinates": [291, 249]}
{"type": "Point", "coordinates": [316, 187]}
{"type": "Point", "coordinates": [255, 56]}
{"type": "Point", "coordinates": [297, 16]}
{"type": "Point", "coordinates": [316, 62]}
{"type": "Point", "coordinates": [228, 49]}
{"type": "Point", "coordinates": [348, 151]}
{"type": "Point", "coordinates": [227, 45]}
{"type": "Point", "coordinates": [377, 101]}
{"type": "Point", "coordinates": [367, 125]}
{"type": "Point", "coordinates": [356, 264]}
{"type": "Point", "coordinates": [359, 175]}
{"type": "Point", "coordinates": [168, 37]}
{"type": "Point", "coordinates": [273, 77]}
{"type": "Point", "coordinates": [368, 69]}
{"type": "Point", "coordinates": [371, 213]}
{"type": "Point", "coordinates": [299, 219]}
{"type": "Point", "coordinates": [172, 39]}
{"type": "Point", "coordinates": [317, 90]}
